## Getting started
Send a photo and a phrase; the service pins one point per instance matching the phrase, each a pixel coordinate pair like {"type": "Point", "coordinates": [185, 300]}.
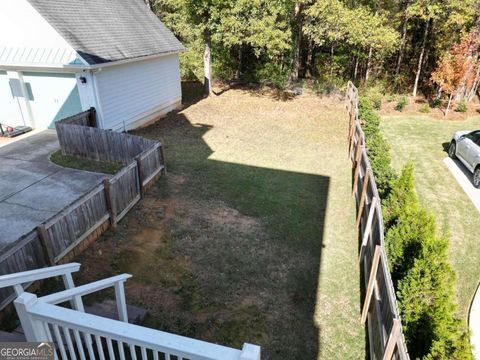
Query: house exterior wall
{"type": "Point", "coordinates": [135, 94]}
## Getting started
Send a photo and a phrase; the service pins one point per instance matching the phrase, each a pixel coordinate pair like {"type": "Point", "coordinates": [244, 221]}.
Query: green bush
{"type": "Point", "coordinates": [462, 107]}
{"type": "Point", "coordinates": [422, 275]}
{"type": "Point", "coordinates": [377, 146]}
{"type": "Point", "coordinates": [374, 92]}
{"type": "Point", "coordinates": [377, 102]}
{"type": "Point", "coordinates": [437, 103]}
{"type": "Point", "coordinates": [402, 103]}
{"type": "Point", "coordinates": [425, 109]}
{"type": "Point", "coordinates": [391, 97]}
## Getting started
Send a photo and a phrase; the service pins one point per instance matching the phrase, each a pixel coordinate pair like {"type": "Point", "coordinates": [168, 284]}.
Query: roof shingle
{"type": "Point", "coordinates": [102, 31]}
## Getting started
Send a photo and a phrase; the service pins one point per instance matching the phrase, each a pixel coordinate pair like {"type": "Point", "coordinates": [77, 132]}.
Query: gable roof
{"type": "Point", "coordinates": [102, 31]}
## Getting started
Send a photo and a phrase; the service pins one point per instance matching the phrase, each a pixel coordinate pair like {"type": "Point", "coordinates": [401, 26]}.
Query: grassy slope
{"type": "Point", "coordinates": [76, 162]}
{"type": "Point", "coordinates": [251, 235]}
{"type": "Point", "coordinates": [419, 139]}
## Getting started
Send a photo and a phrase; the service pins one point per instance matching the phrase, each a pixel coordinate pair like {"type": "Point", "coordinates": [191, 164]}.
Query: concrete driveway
{"type": "Point", "coordinates": [464, 179]}
{"type": "Point", "coordinates": [32, 189]}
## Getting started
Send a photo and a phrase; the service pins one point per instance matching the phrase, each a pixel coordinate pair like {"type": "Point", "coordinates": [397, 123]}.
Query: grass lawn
{"type": "Point", "coordinates": [419, 139]}
{"type": "Point", "coordinates": [76, 162]}
{"type": "Point", "coordinates": [250, 237]}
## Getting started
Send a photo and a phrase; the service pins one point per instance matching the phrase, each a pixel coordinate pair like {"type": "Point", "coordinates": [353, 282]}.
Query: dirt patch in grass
{"type": "Point", "coordinates": [79, 163]}
{"type": "Point", "coordinates": [250, 237]}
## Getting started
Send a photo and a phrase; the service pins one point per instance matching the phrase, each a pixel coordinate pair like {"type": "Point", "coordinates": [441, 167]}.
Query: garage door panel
{"type": "Point", "coordinates": [52, 97]}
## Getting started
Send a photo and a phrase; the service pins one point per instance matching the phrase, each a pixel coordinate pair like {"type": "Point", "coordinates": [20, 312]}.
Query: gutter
{"type": "Point", "coordinates": [80, 68]}
{"type": "Point", "coordinates": [127, 61]}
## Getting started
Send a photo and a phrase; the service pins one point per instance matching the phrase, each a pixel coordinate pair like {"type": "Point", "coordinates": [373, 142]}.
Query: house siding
{"type": "Point", "coordinates": [134, 94]}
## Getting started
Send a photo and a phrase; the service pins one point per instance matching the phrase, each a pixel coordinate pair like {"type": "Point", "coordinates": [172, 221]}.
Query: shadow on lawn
{"type": "Point", "coordinates": [253, 267]}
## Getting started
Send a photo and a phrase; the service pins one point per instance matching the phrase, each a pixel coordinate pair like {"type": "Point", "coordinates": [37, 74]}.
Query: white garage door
{"type": "Point", "coordinates": [52, 97]}
{"type": "Point", "coordinates": [10, 113]}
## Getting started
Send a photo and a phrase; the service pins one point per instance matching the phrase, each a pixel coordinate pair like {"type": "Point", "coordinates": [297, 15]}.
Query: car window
{"type": "Point", "coordinates": [474, 136]}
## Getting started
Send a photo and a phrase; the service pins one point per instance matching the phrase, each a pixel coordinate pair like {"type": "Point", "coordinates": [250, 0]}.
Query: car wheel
{"type": "Point", "coordinates": [476, 177]}
{"type": "Point", "coordinates": [452, 149]}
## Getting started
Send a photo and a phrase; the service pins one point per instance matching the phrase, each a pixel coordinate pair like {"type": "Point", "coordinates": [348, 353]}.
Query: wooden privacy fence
{"type": "Point", "coordinates": [379, 310]}
{"type": "Point", "coordinates": [95, 211]}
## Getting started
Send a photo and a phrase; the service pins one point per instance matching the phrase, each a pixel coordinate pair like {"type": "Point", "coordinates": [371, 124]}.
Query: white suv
{"type": "Point", "coordinates": [465, 146]}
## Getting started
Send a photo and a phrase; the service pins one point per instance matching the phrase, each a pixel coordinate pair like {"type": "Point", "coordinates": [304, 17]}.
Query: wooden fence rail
{"type": "Point", "coordinates": [379, 309]}
{"type": "Point", "coordinates": [94, 212]}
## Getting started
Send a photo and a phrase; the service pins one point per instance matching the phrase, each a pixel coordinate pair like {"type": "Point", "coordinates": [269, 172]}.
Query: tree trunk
{"type": "Point", "coordinates": [310, 59]}
{"type": "Point", "coordinates": [298, 41]}
{"type": "Point", "coordinates": [355, 72]}
{"type": "Point", "coordinates": [367, 71]}
{"type": "Point", "coordinates": [207, 64]}
{"type": "Point", "coordinates": [332, 48]}
{"type": "Point", "coordinates": [401, 51]}
{"type": "Point", "coordinates": [420, 59]}
{"type": "Point", "coordinates": [474, 88]}
{"type": "Point", "coordinates": [238, 72]}
{"type": "Point", "coordinates": [449, 103]}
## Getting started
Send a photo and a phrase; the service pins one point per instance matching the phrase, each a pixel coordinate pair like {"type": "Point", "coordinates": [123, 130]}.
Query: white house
{"type": "Point", "coordinates": [60, 57]}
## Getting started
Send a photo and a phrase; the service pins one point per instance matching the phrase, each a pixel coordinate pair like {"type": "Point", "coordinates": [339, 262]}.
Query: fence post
{"type": "Point", "coordinates": [48, 252]}
{"type": "Point", "coordinates": [250, 352]}
{"type": "Point", "coordinates": [121, 302]}
{"type": "Point", "coordinates": [371, 283]}
{"type": "Point", "coordinates": [358, 162]}
{"type": "Point", "coordinates": [392, 340]}
{"type": "Point", "coordinates": [363, 196]}
{"type": "Point", "coordinates": [76, 302]}
{"type": "Point", "coordinates": [368, 227]}
{"type": "Point", "coordinates": [351, 139]}
{"type": "Point", "coordinates": [162, 157]}
{"type": "Point", "coordinates": [92, 117]}
{"type": "Point", "coordinates": [140, 175]}
{"type": "Point", "coordinates": [33, 329]}
{"type": "Point", "coordinates": [110, 203]}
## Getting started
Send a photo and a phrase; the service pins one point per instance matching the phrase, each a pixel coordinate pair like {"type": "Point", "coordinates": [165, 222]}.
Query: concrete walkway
{"type": "Point", "coordinates": [464, 179]}
{"type": "Point", "coordinates": [32, 189]}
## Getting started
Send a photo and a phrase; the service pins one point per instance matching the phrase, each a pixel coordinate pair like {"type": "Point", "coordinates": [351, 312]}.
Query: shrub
{"type": "Point", "coordinates": [377, 146]}
{"type": "Point", "coordinates": [391, 97]}
{"type": "Point", "coordinates": [402, 103]}
{"type": "Point", "coordinates": [425, 109]}
{"type": "Point", "coordinates": [377, 101]}
{"type": "Point", "coordinates": [374, 92]}
{"type": "Point", "coordinates": [462, 107]}
{"type": "Point", "coordinates": [437, 103]}
{"type": "Point", "coordinates": [422, 275]}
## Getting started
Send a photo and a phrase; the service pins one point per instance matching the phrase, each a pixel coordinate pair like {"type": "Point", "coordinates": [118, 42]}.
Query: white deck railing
{"type": "Point", "coordinates": [78, 335]}
{"type": "Point", "coordinates": [104, 338]}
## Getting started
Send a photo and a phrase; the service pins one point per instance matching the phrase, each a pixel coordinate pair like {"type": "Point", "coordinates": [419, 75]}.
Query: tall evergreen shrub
{"type": "Point", "coordinates": [423, 276]}
{"type": "Point", "coordinates": [377, 146]}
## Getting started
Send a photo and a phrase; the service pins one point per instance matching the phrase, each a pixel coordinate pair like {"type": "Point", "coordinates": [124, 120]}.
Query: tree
{"type": "Point", "coordinates": [456, 71]}
{"type": "Point", "coordinates": [222, 25]}
{"type": "Point", "coordinates": [331, 22]}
